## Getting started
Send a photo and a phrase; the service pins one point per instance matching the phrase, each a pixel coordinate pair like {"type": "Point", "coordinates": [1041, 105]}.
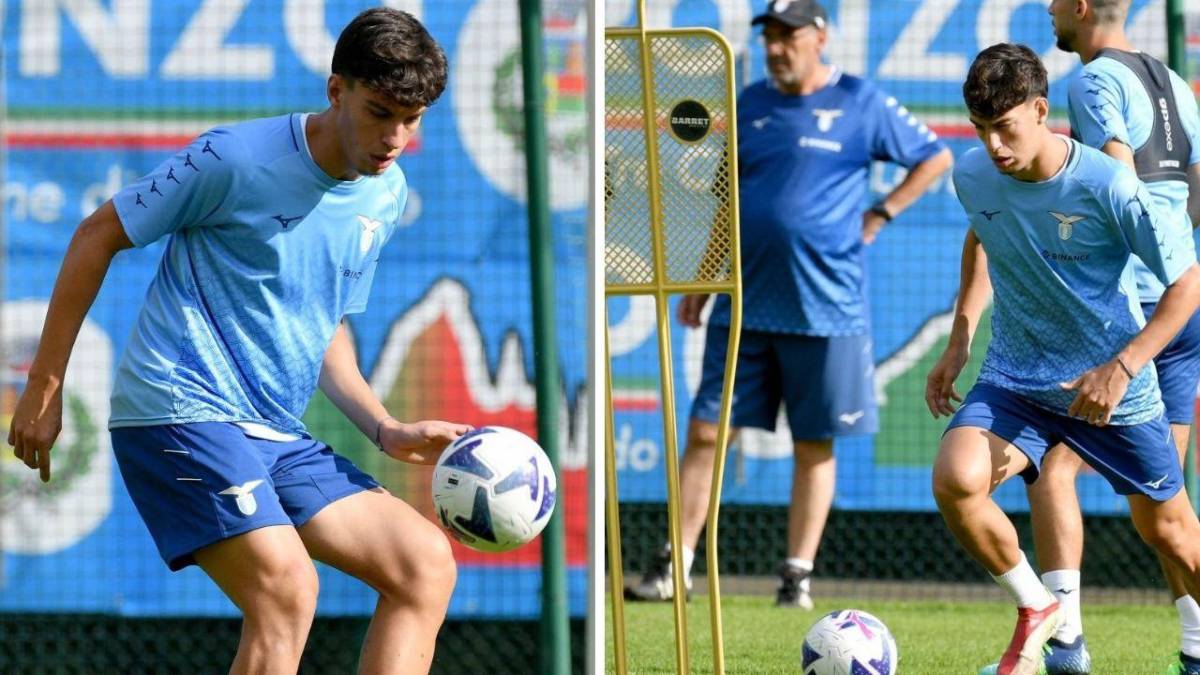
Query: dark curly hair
{"type": "Point", "coordinates": [1003, 77]}
{"type": "Point", "coordinates": [391, 52]}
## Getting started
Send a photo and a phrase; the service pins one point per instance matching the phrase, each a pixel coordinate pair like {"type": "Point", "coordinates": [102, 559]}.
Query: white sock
{"type": "Point", "coordinates": [1064, 584]}
{"type": "Point", "coordinates": [1189, 624]}
{"type": "Point", "coordinates": [689, 556]}
{"type": "Point", "coordinates": [1023, 585]}
{"type": "Point", "coordinates": [801, 564]}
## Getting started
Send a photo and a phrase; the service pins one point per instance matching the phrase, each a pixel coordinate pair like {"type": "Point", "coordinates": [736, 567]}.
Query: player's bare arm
{"type": "Point", "coordinates": [1120, 152]}
{"type": "Point", "coordinates": [37, 419]}
{"type": "Point", "coordinates": [974, 291]}
{"type": "Point", "coordinates": [342, 381]}
{"type": "Point", "coordinates": [1101, 389]}
{"type": "Point", "coordinates": [915, 183]}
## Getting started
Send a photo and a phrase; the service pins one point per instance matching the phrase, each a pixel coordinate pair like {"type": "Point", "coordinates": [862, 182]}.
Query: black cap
{"type": "Point", "coordinates": [794, 13]}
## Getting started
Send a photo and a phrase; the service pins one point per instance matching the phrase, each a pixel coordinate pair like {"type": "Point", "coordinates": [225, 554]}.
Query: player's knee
{"type": "Point", "coordinates": [427, 579]}
{"type": "Point", "coordinates": [1168, 536]}
{"type": "Point", "coordinates": [812, 453]}
{"type": "Point", "coordinates": [436, 573]}
{"type": "Point", "coordinates": [285, 588]}
{"type": "Point", "coordinates": [702, 436]}
{"type": "Point", "coordinates": [955, 482]}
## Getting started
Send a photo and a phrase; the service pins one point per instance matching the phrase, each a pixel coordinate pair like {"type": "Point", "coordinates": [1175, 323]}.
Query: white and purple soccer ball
{"type": "Point", "coordinates": [849, 642]}
{"type": "Point", "coordinates": [494, 489]}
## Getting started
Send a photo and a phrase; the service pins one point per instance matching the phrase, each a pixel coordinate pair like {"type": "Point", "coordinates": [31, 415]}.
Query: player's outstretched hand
{"type": "Point", "coordinates": [36, 424]}
{"type": "Point", "coordinates": [1098, 391]}
{"type": "Point", "coordinates": [871, 225]}
{"type": "Point", "coordinates": [939, 385]}
{"type": "Point", "coordinates": [419, 442]}
{"type": "Point", "coordinates": [689, 309]}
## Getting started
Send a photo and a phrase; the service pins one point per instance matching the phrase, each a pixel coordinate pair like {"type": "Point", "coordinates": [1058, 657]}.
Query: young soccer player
{"type": "Point", "coordinates": [1070, 348]}
{"type": "Point", "coordinates": [1133, 108]}
{"type": "Point", "coordinates": [275, 228]}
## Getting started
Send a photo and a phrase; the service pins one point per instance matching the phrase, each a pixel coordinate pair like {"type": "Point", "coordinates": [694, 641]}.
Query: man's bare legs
{"type": "Point", "coordinates": [383, 541]}
{"type": "Point", "coordinates": [269, 575]}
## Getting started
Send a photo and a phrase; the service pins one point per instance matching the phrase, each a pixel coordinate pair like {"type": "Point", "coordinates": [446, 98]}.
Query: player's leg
{"type": "Point", "coordinates": [813, 475]}
{"type": "Point", "coordinates": [695, 479]}
{"type": "Point", "coordinates": [994, 436]}
{"type": "Point", "coordinates": [1170, 527]}
{"type": "Point", "coordinates": [829, 391]}
{"type": "Point", "coordinates": [1185, 604]}
{"type": "Point", "coordinates": [755, 390]}
{"type": "Point", "coordinates": [267, 573]}
{"type": "Point", "coordinates": [1178, 367]}
{"type": "Point", "coordinates": [205, 493]}
{"type": "Point", "coordinates": [1058, 540]}
{"type": "Point", "coordinates": [375, 537]}
{"type": "Point", "coordinates": [1141, 461]}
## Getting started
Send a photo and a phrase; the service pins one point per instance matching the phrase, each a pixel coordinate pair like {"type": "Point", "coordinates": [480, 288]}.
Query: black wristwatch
{"type": "Point", "coordinates": [880, 210]}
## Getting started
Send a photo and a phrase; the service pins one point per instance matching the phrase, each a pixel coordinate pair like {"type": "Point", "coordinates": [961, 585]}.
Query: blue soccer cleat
{"type": "Point", "coordinates": [1184, 665]}
{"type": "Point", "coordinates": [1061, 658]}
{"type": "Point", "coordinates": [1068, 659]}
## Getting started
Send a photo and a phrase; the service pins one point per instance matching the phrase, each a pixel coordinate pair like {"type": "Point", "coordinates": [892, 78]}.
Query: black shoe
{"type": "Point", "coordinates": [656, 584]}
{"type": "Point", "coordinates": [791, 593]}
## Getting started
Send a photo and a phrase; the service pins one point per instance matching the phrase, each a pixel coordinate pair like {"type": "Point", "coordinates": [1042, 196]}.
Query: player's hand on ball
{"type": "Point", "coordinates": [36, 424]}
{"type": "Point", "coordinates": [939, 385]}
{"type": "Point", "coordinates": [1098, 392]}
{"type": "Point", "coordinates": [419, 442]}
{"type": "Point", "coordinates": [689, 309]}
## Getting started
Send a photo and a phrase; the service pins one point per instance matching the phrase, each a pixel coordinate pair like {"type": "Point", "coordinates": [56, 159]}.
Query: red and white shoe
{"type": "Point", "coordinates": [1034, 628]}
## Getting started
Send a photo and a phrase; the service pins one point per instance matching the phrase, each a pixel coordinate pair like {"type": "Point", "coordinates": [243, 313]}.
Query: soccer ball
{"type": "Point", "coordinates": [494, 489]}
{"type": "Point", "coordinates": [849, 642]}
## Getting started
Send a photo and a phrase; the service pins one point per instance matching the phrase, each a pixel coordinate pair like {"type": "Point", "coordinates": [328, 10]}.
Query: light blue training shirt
{"type": "Point", "coordinates": [266, 254]}
{"type": "Point", "coordinates": [1107, 101]}
{"type": "Point", "coordinates": [1057, 253]}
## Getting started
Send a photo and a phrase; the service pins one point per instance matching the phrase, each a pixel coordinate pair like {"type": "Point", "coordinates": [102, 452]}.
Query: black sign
{"type": "Point", "coordinates": [689, 121]}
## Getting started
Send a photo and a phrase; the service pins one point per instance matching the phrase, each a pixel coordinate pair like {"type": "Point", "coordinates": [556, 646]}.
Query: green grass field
{"type": "Point", "coordinates": [934, 638]}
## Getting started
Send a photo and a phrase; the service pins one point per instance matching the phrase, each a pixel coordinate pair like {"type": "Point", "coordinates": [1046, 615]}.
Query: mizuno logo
{"type": "Point", "coordinates": [171, 174]}
{"type": "Point", "coordinates": [244, 496]}
{"type": "Point", "coordinates": [760, 122]}
{"type": "Point", "coordinates": [140, 202]}
{"type": "Point", "coordinates": [825, 118]}
{"type": "Point", "coordinates": [851, 417]}
{"type": "Point", "coordinates": [369, 226]}
{"type": "Point", "coordinates": [1064, 224]}
{"type": "Point", "coordinates": [154, 187]}
{"type": "Point", "coordinates": [188, 162]}
{"type": "Point", "coordinates": [1155, 484]}
{"type": "Point", "coordinates": [285, 222]}
{"type": "Point", "coordinates": [988, 214]}
{"type": "Point", "coordinates": [208, 148]}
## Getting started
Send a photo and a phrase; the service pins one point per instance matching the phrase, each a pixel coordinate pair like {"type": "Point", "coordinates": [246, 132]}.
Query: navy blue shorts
{"type": "Point", "coordinates": [826, 383]}
{"type": "Point", "coordinates": [197, 484]}
{"type": "Point", "coordinates": [1135, 459]}
{"type": "Point", "coordinates": [1178, 367]}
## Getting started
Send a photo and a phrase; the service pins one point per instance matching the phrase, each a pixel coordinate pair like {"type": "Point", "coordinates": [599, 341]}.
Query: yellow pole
{"type": "Point", "coordinates": [670, 444]}
{"type": "Point", "coordinates": [613, 516]}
